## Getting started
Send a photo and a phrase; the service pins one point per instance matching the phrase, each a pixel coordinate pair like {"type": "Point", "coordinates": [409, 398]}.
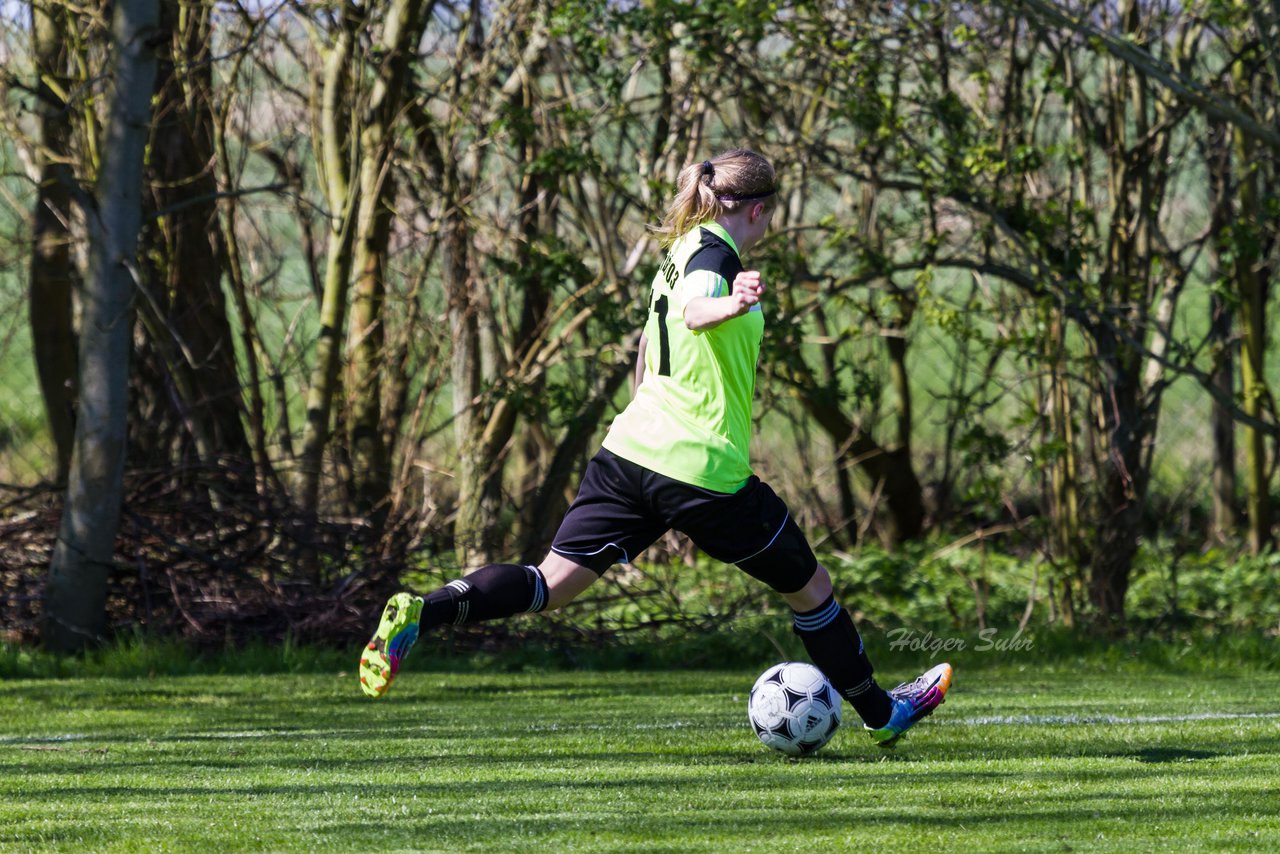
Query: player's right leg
{"type": "Point", "coordinates": [606, 523]}
{"type": "Point", "coordinates": [491, 592]}
{"type": "Point", "coordinates": [391, 641]}
{"type": "Point", "coordinates": [566, 580]}
{"type": "Point", "coordinates": [833, 643]}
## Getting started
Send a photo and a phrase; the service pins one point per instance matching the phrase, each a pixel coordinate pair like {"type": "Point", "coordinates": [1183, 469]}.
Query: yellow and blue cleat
{"type": "Point", "coordinates": [390, 644]}
{"type": "Point", "coordinates": [912, 703]}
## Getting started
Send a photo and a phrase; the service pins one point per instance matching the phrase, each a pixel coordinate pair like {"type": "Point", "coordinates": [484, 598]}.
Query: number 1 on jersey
{"type": "Point", "coordinates": [664, 341]}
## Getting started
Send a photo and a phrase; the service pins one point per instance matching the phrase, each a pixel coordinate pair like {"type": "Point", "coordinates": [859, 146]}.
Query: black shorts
{"type": "Point", "coordinates": [623, 508]}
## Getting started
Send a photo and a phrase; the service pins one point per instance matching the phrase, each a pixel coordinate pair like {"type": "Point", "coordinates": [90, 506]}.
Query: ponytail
{"type": "Point", "coordinates": [707, 190]}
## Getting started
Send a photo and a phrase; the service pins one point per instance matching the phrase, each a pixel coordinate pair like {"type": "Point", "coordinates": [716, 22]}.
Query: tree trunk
{"type": "Point", "coordinates": [548, 504]}
{"type": "Point", "coordinates": [889, 470]}
{"type": "Point", "coordinates": [1225, 518]}
{"type": "Point", "coordinates": [1122, 483]}
{"type": "Point", "coordinates": [473, 537]}
{"type": "Point", "coordinates": [1127, 403]}
{"type": "Point", "coordinates": [53, 275]}
{"type": "Point", "coordinates": [194, 334]}
{"type": "Point", "coordinates": [335, 167]}
{"type": "Point", "coordinates": [75, 598]}
{"type": "Point", "coordinates": [1217, 155]}
{"type": "Point", "coordinates": [1116, 547]}
{"type": "Point", "coordinates": [1251, 286]}
{"type": "Point", "coordinates": [485, 428]}
{"type": "Point", "coordinates": [264, 468]}
{"type": "Point", "coordinates": [371, 467]}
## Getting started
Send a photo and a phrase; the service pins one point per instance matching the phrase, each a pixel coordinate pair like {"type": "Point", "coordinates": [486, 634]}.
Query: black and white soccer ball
{"type": "Point", "coordinates": [793, 708]}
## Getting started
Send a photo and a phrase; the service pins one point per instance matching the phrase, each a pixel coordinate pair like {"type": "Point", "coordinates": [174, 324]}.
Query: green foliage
{"type": "Point", "coordinates": [1195, 596]}
{"type": "Point", "coordinates": [964, 589]}
{"type": "Point", "coordinates": [139, 657]}
{"type": "Point", "coordinates": [1173, 586]}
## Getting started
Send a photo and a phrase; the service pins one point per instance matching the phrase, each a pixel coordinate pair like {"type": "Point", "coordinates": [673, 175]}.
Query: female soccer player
{"type": "Point", "coordinates": [676, 458]}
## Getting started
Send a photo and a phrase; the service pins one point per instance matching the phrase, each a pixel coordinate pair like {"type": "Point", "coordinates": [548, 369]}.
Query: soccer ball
{"type": "Point", "coordinates": [793, 708]}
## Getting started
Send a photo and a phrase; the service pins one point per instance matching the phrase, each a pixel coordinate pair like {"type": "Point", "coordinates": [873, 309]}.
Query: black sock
{"type": "Point", "coordinates": [836, 648]}
{"type": "Point", "coordinates": [491, 592]}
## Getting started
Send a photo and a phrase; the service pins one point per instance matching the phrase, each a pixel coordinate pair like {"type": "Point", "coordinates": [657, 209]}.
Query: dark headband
{"type": "Point", "coordinates": [747, 197]}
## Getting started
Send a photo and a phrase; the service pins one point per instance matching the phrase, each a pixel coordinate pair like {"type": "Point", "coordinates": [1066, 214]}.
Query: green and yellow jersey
{"type": "Point", "coordinates": [690, 418]}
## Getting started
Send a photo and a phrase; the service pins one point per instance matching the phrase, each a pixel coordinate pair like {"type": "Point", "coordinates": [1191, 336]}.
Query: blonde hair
{"type": "Point", "coordinates": [706, 190]}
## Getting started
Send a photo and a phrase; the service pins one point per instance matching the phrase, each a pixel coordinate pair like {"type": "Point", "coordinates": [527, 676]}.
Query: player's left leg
{"type": "Point", "coordinates": [826, 629]}
{"type": "Point", "coordinates": [753, 529]}
{"type": "Point", "coordinates": [829, 635]}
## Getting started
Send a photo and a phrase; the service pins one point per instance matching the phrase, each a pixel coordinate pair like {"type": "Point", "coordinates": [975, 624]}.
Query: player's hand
{"type": "Point", "coordinates": [703, 313]}
{"type": "Point", "coordinates": [747, 290]}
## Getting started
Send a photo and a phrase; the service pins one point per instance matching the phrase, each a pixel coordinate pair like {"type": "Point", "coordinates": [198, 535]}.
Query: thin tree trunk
{"type": "Point", "coordinates": [472, 537]}
{"type": "Point", "coordinates": [53, 275]}
{"type": "Point", "coordinates": [75, 598]}
{"type": "Point", "coordinates": [335, 166]}
{"type": "Point", "coordinates": [1225, 517]}
{"type": "Point", "coordinates": [1064, 469]}
{"type": "Point", "coordinates": [1217, 156]}
{"type": "Point", "coordinates": [371, 476]}
{"type": "Point", "coordinates": [896, 344]}
{"type": "Point", "coordinates": [264, 469]}
{"type": "Point", "coordinates": [1252, 289]}
{"type": "Point", "coordinates": [371, 467]}
{"type": "Point", "coordinates": [199, 347]}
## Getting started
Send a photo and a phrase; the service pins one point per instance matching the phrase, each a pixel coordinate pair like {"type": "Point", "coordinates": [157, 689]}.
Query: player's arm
{"type": "Point", "coordinates": [704, 313]}
{"type": "Point", "coordinates": [644, 345]}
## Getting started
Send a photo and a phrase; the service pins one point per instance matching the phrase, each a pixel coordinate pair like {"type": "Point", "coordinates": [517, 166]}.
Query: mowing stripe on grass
{"type": "Point", "coordinates": [1081, 720]}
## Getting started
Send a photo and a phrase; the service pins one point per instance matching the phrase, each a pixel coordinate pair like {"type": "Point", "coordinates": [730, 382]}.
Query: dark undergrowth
{"type": "Point", "coordinates": [741, 644]}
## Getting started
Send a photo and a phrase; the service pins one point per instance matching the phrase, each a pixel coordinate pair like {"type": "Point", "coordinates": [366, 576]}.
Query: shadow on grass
{"type": "Point", "coordinates": [1157, 755]}
{"type": "Point", "coordinates": [670, 785]}
{"type": "Point", "coordinates": [435, 752]}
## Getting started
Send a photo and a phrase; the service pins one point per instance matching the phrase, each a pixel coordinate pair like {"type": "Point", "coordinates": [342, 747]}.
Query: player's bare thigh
{"type": "Point", "coordinates": [813, 594]}
{"type": "Point", "coordinates": [565, 579]}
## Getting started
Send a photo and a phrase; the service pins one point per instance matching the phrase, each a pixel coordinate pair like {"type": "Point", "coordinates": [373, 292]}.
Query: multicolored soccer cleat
{"type": "Point", "coordinates": [912, 702]}
{"type": "Point", "coordinates": [389, 645]}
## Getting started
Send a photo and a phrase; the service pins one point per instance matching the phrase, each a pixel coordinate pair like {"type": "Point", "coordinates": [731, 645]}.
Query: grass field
{"type": "Point", "coordinates": [1033, 757]}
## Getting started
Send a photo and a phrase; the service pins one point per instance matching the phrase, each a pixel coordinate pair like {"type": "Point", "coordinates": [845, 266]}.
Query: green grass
{"type": "Point", "coordinates": [653, 761]}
